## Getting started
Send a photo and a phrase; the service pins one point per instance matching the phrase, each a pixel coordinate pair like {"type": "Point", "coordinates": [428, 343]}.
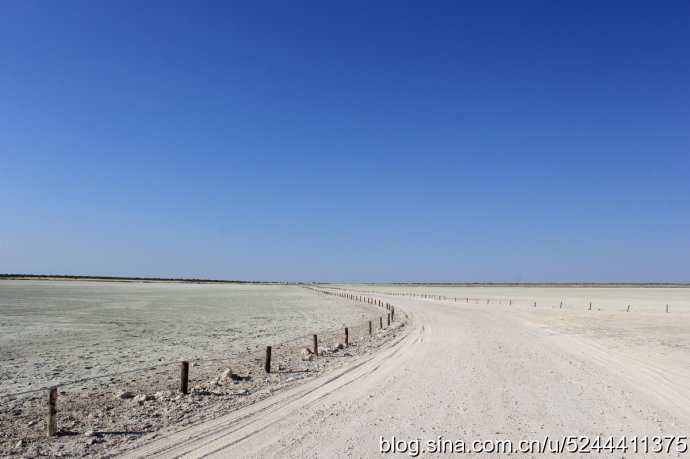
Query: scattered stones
{"type": "Point", "coordinates": [32, 423]}
{"type": "Point", "coordinates": [90, 433]}
{"type": "Point", "coordinates": [163, 395]}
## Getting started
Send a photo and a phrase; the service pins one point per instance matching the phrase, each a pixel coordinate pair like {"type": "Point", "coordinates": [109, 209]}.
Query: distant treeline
{"type": "Point", "coordinates": [127, 279]}
{"type": "Point", "coordinates": [404, 284]}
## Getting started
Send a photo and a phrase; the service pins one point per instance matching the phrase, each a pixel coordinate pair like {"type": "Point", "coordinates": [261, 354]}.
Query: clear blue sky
{"type": "Point", "coordinates": [441, 141]}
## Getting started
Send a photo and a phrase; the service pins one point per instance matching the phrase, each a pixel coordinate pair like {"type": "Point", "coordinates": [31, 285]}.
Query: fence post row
{"type": "Point", "coordinates": [184, 367]}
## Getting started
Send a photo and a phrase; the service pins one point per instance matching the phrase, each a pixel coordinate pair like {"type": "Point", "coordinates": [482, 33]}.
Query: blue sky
{"type": "Point", "coordinates": [347, 141]}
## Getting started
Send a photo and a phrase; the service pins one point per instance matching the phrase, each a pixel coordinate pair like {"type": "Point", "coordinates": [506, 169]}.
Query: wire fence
{"type": "Point", "coordinates": [141, 400]}
{"type": "Point", "coordinates": [604, 305]}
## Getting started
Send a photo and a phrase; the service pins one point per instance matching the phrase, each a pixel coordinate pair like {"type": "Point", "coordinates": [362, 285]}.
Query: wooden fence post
{"type": "Point", "coordinates": [590, 305]}
{"type": "Point", "coordinates": [52, 411]}
{"type": "Point", "coordinates": [370, 327]}
{"type": "Point", "coordinates": [381, 322]}
{"type": "Point", "coordinates": [389, 319]}
{"type": "Point", "coordinates": [267, 363]}
{"type": "Point", "coordinates": [628, 310]}
{"type": "Point", "coordinates": [316, 345]}
{"type": "Point", "coordinates": [184, 377]}
{"type": "Point", "coordinates": [347, 337]}
{"type": "Point", "coordinates": [667, 308]}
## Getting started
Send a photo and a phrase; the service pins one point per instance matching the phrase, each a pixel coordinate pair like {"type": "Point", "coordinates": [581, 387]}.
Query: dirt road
{"type": "Point", "coordinates": [461, 372]}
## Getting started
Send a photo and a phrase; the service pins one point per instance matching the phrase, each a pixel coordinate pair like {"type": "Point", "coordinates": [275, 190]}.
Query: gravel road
{"type": "Point", "coordinates": [460, 373]}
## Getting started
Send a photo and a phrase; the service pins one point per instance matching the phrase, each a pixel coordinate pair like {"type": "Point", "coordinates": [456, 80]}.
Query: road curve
{"type": "Point", "coordinates": [460, 372]}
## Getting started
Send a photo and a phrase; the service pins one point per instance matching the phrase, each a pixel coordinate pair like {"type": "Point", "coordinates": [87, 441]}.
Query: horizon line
{"type": "Point", "coordinates": [15, 276]}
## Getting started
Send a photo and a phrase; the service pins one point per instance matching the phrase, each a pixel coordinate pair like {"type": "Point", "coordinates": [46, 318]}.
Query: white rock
{"type": "Point", "coordinates": [226, 375]}
{"type": "Point", "coordinates": [307, 354]}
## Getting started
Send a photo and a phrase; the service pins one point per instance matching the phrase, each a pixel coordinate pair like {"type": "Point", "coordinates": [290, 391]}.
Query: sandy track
{"type": "Point", "coordinates": [463, 372]}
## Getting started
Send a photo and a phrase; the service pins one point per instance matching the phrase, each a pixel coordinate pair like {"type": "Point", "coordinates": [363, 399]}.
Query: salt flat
{"type": "Point", "coordinates": [53, 332]}
{"type": "Point", "coordinates": [470, 371]}
{"type": "Point", "coordinates": [648, 299]}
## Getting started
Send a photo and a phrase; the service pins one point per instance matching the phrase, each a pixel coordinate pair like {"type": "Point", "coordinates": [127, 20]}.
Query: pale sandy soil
{"type": "Point", "coordinates": [466, 372]}
{"type": "Point", "coordinates": [610, 299]}
{"type": "Point", "coordinates": [651, 351]}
